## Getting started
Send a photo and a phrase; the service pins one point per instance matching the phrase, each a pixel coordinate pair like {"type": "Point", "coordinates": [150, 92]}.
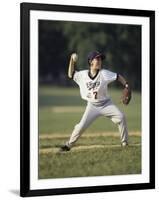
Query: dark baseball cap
{"type": "Point", "coordinates": [95, 54]}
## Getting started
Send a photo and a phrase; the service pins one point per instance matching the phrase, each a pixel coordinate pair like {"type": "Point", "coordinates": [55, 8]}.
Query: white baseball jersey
{"type": "Point", "coordinates": [94, 89]}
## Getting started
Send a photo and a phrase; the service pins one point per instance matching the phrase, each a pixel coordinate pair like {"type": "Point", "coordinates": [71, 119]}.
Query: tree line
{"type": "Point", "coordinates": [120, 43]}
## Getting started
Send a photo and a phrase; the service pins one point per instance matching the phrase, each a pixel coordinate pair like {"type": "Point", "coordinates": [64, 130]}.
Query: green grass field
{"type": "Point", "coordinates": [98, 151]}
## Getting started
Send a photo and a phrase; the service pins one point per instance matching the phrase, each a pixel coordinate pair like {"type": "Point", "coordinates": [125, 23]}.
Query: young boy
{"type": "Point", "coordinates": [93, 85]}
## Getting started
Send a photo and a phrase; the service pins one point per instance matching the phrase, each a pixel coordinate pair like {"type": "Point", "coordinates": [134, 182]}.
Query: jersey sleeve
{"type": "Point", "coordinates": [109, 76]}
{"type": "Point", "coordinates": [77, 77]}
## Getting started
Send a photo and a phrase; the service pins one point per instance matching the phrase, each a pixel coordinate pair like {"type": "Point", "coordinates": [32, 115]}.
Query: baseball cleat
{"type": "Point", "coordinates": [64, 148]}
{"type": "Point", "coordinates": [124, 144]}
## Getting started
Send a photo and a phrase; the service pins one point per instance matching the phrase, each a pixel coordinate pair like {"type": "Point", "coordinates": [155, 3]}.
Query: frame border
{"type": "Point", "coordinates": [25, 8]}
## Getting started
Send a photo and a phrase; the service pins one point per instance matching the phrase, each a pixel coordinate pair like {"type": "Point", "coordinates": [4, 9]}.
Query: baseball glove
{"type": "Point", "coordinates": [126, 96]}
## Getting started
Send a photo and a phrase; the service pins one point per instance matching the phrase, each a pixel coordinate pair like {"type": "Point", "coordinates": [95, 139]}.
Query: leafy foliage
{"type": "Point", "coordinates": [58, 39]}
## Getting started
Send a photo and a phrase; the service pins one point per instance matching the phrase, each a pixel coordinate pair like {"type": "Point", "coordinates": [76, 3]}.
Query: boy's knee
{"type": "Point", "coordinates": [119, 118]}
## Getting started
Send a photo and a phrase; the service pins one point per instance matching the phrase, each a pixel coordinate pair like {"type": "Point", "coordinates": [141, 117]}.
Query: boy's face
{"type": "Point", "coordinates": [96, 63]}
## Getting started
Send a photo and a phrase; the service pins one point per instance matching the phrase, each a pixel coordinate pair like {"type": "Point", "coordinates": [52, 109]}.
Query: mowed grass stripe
{"type": "Point", "coordinates": [68, 109]}
{"type": "Point", "coordinates": [86, 147]}
{"type": "Point", "coordinates": [86, 135]}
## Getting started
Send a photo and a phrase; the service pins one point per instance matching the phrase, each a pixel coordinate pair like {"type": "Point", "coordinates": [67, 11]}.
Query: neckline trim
{"type": "Point", "coordinates": [92, 77]}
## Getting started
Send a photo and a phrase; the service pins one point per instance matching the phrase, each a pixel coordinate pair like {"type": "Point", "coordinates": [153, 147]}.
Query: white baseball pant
{"type": "Point", "coordinates": [108, 109]}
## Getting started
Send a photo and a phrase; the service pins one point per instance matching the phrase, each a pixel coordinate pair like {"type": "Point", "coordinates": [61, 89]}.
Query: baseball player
{"type": "Point", "coordinates": [93, 84]}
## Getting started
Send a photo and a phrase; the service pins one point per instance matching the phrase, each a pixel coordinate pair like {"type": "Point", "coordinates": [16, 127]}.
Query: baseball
{"type": "Point", "coordinates": [74, 57]}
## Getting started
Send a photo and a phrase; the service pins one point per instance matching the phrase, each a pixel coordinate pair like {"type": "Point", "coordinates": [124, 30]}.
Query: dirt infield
{"type": "Point", "coordinates": [86, 135]}
{"type": "Point", "coordinates": [85, 147]}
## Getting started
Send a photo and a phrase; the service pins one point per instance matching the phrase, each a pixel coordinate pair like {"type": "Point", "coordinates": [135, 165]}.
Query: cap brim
{"type": "Point", "coordinates": [102, 56]}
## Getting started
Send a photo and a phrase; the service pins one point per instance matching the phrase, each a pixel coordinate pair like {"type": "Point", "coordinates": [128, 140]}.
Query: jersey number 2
{"type": "Point", "coordinates": [95, 95]}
